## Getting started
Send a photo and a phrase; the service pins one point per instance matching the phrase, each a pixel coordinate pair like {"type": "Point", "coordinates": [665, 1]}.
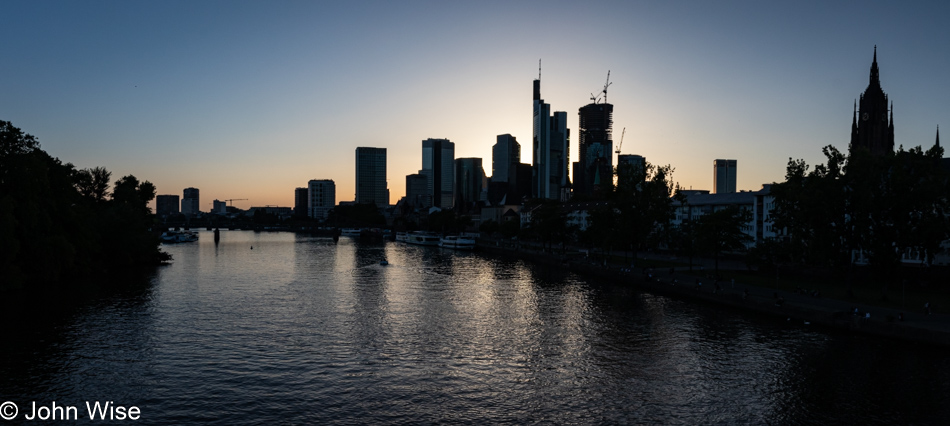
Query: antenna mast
{"type": "Point", "coordinates": [539, 68]}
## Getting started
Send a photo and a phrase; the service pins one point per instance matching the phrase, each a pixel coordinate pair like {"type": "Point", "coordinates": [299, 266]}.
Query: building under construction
{"type": "Point", "coordinates": [593, 169]}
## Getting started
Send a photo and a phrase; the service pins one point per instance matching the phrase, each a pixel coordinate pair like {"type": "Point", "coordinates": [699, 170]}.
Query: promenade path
{"type": "Point", "coordinates": [911, 324]}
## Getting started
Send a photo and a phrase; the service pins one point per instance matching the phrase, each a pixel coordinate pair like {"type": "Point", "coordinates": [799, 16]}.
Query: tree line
{"type": "Point", "coordinates": [859, 207]}
{"type": "Point", "coordinates": [60, 225]}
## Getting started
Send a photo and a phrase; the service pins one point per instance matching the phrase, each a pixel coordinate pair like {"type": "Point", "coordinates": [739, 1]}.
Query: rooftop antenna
{"type": "Point", "coordinates": [539, 68]}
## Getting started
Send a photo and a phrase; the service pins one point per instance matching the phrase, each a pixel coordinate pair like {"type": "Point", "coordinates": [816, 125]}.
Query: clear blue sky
{"type": "Point", "coordinates": [253, 99]}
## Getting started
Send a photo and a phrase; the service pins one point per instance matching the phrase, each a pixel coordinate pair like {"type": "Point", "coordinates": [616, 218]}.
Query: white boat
{"type": "Point", "coordinates": [350, 232]}
{"type": "Point", "coordinates": [457, 243]}
{"type": "Point", "coordinates": [402, 237]}
{"type": "Point", "coordinates": [423, 239]}
{"type": "Point", "coordinates": [179, 236]}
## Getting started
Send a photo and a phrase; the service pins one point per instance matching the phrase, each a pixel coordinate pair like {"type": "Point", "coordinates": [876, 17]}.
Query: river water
{"type": "Point", "coordinates": [280, 328]}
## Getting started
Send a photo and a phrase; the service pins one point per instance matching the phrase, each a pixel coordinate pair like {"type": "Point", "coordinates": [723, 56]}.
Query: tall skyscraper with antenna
{"type": "Point", "coordinates": [550, 149]}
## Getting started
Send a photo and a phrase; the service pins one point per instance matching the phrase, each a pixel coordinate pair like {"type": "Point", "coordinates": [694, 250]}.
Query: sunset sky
{"type": "Point", "coordinates": [253, 99]}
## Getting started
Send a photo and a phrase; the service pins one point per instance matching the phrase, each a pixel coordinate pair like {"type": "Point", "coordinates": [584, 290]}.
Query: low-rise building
{"type": "Point", "coordinates": [760, 203]}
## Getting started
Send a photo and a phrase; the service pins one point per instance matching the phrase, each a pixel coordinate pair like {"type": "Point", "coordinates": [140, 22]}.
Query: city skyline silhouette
{"type": "Point", "coordinates": [250, 100]}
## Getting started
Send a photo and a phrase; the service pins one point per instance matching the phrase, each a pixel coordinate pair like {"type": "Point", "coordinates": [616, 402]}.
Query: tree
{"type": "Point", "coordinates": [644, 200]}
{"type": "Point", "coordinates": [909, 206]}
{"type": "Point", "coordinates": [604, 222]}
{"type": "Point", "coordinates": [448, 222]}
{"type": "Point", "coordinates": [722, 231]}
{"type": "Point", "coordinates": [549, 222]}
{"type": "Point", "coordinates": [509, 228]}
{"type": "Point", "coordinates": [812, 210]}
{"type": "Point", "coordinates": [488, 228]}
{"type": "Point", "coordinates": [93, 184]}
{"type": "Point", "coordinates": [882, 205]}
{"type": "Point", "coordinates": [56, 224]}
{"type": "Point", "coordinates": [14, 142]}
{"type": "Point", "coordinates": [683, 239]}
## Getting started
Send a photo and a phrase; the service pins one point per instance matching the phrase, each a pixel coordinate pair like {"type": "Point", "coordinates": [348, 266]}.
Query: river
{"type": "Point", "coordinates": [283, 328]}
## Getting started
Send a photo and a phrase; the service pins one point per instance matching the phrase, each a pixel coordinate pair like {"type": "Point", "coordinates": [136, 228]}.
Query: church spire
{"type": "Point", "coordinates": [938, 150]}
{"type": "Point", "coordinates": [875, 80]}
{"type": "Point", "coordinates": [890, 128]}
{"type": "Point", "coordinates": [891, 120]}
{"type": "Point", "coordinates": [875, 117]}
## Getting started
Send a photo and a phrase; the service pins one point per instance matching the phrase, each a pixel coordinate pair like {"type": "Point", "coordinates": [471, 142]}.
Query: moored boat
{"type": "Point", "coordinates": [371, 234]}
{"type": "Point", "coordinates": [402, 237]}
{"type": "Point", "coordinates": [457, 242]}
{"type": "Point", "coordinates": [350, 232]}
{"type": "Point", "coordinates": [423, 239]}
{"type": "Point", "coordinates": [179, 236]}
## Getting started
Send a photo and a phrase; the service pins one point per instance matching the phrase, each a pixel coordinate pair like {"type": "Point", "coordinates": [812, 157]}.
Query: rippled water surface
{"type": "Point", "coordinates": [278, 328]}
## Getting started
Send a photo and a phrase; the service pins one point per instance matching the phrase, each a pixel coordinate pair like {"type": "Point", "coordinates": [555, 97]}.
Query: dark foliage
{"type": "Point", "coordinates": [59, 226]}
{"type": "Point", "coordinates": [722, 231]}
{"type": "Point", "coordinates": [880, 206]}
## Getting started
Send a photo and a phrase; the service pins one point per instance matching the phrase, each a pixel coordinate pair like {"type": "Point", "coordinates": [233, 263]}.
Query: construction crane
{"type": "Point", "coordinates": [596, 98]}
{"type": "Point", "coordinates": [621, 140]}
{"type": "Point", "coordinates": [235, 199]}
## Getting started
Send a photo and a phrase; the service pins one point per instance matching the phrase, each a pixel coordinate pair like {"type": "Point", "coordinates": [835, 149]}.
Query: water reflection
{"type": "Point", "coordinates": [303, 330]}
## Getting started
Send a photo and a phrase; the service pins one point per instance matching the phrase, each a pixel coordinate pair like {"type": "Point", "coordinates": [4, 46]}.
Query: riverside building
{"type": "Point", "coordinates": [438, 166]}
{"type": "Point", "coordinates": [321, 195]}
{"type": "Point", "coordinates": [371, 187]}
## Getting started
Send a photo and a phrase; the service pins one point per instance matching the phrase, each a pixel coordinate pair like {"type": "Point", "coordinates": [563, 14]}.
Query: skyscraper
{"type": "Point", "coordinates": [418, 194]}
{"type": "Point", "coordinates": [872, 129]}
{"type": "Point", "coordinates": [550, 147]}
{"type": "Point", "coordinates": [321, 196]}
{"type": "Point", "coordinates": [506, 154]}
{"type": "Point", "coordinates": [190, 202]}
{"type": "Point", "coordinates": [166, 205]}
{"type": "Point", "coordinates": [469, 184]}
{"type": "Point", "coordinates": [301, 198]}
{"type": "Point", "coordinates": [724, 176]}
{"type": "Point", "coordinates": [438, 165]}
{"type": "Point", "coordinates": [371, 185]}
{"type": "Point", "coordinates": [594, 166]}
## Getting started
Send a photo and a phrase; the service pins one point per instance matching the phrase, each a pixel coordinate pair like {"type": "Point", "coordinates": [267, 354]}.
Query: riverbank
{"type": "Point", "coordinates": [795, 307]}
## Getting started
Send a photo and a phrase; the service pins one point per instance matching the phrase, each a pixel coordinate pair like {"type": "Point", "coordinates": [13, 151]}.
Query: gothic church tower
{"type": "Point", "coordinates": [872, 127]}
